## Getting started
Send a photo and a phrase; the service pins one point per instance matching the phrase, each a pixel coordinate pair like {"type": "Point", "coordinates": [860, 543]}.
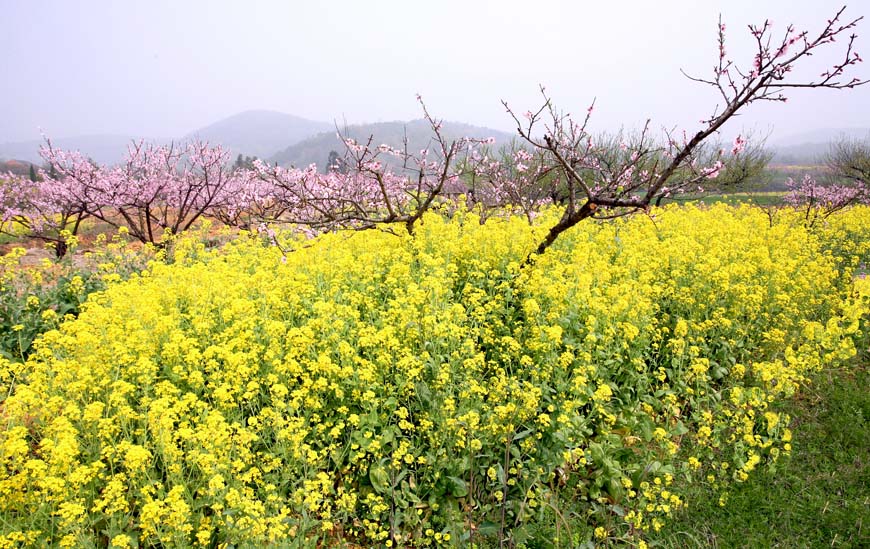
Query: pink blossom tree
{"type": "Point", "coordinates": [250, 200]}
{"type": "Point", "coordinates": [845, 182]}
{"type": "Point", "coordinates": [598, 186]}
{"type": "Point", "coordinates": [157, 189]}
{"type": "Point", "coordinates": [818, 200]}
{"type": "Point", "coordinates": [44, 209]}
{"type": "Point", "coordinates": [515, 178]}
{"type": "Point", "coordinates": [381, 185]}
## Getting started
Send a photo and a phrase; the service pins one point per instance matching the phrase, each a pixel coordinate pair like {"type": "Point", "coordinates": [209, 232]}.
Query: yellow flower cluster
{"type": "Point", "coordinates": [414, 391]}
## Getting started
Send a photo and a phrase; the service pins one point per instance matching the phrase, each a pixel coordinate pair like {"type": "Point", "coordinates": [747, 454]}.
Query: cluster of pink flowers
{"type": "Point", "coordinates": [517, 179]}
{"type": "Point", "coordinates": [739, 145]}
{"type": "Point", "coordinates": [712, 172]}
{"type": "Point", "coordinates": [157, 188]}
{"type": "Point", "coordinates": [818, 200]}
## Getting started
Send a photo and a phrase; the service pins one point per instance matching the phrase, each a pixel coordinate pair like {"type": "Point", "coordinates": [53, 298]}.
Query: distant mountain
{"type": "Point", "coordinates": [315, 150]}
{"type": "Point", "coordinates": [18, 167]}
{"type": "Point", "coordinates": [252, 133]}
{"type": "Point", "coordinates": [826, 135]}
{"type": "Point", "coordinates": [809, 148]}
{"type": "Point", "coordinates": [804, 154]}
{"type": "Point", "coordinates": [259, 133]}
{"type": "Point", "coordinates": [270, 135]}
{"type": "Point", "coordinates": [105, 149]}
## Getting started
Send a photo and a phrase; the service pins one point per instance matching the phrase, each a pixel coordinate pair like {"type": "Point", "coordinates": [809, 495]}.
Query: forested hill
{"type": "Point", "coordinates": [316, 149]}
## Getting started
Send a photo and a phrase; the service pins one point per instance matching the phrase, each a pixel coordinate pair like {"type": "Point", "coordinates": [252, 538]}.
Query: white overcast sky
{"type": "Point", "coordinates": [162, 68]}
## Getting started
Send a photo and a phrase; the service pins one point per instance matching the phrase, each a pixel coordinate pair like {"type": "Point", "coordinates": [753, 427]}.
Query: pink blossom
{"type": "Point", "coordinates": [713, 171]}
{"type": "Point", "coordinates": [739, 145]}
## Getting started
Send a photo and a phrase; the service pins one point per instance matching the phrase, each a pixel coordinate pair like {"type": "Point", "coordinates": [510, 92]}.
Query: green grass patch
{"type": "Point", "coordinates": [6, 239]}
{"type": "Point", "coordinates": [819, 497]}
{"type": "Point", "coordinates": [732, 199]}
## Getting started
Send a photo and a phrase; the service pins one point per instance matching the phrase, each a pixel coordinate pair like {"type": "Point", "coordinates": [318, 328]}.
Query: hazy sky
{"type": "Point", "coordinates": [164, 68]}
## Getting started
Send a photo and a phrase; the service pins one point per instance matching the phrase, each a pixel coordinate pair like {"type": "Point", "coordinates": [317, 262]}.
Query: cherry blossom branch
{"type": "Point", "coordinates": [630, 182]}
{"type": "Point", "coordinates": [383, 184]}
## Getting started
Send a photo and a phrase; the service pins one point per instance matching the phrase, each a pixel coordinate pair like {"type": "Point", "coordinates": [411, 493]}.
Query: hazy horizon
{"type": "Point", "coordinates": [162, 69]}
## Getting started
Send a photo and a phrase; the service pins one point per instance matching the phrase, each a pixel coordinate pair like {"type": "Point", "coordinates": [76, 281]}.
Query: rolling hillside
{"type": "Point", "coordinates": [251, 133]}
{"type": "Point", "coordinates": [259, 133]}
{"type": "Point", "coordinates": [315, 150]}
{"type": "Point", "coordinates": [105, 149]}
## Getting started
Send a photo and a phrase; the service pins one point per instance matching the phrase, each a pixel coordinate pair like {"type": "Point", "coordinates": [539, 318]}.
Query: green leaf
{"type": "Point", "coordinates": [615, 489]}
{"type": "Point", "coordinates": [597, 452]}
{"type": "Point", "coordinates": [646, 428]}
{"type": "Point", "coordinates": [424, 394]}
{"type": "Point", "coordinates": [458, 487]}
{"type": "Point", "coordinates": [379, 478]}
{"type": "Point", "coordinates": [388, 436]}
{"type": "Point", "coordinates": [408, 493]}
{"type": "Point", "coordinates": [653, 468]}
{"type": "Point", "coordinates": [488, 529]}
{"type": "Point", "coordinates": [523, 434]}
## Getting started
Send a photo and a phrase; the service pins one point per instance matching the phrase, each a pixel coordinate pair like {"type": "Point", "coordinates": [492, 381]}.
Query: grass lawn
{"type": "Point", "coordinates": [820, 497]}
{"type": "Point", "coordinates": [733, 199]}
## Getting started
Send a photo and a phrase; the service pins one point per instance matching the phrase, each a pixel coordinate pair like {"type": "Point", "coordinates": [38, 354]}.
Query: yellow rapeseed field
{"type": "Point", "coordinates": [370, 389]}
